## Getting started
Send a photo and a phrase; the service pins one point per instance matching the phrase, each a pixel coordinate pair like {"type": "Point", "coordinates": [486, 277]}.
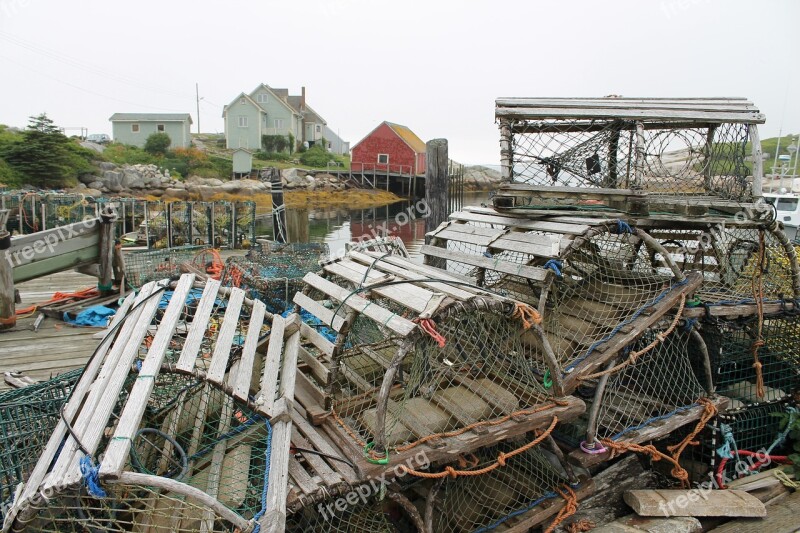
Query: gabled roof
{"type": "Point", "coordinates": [279, 94]}
{"type": "Point", "coordinates": [308, 113]}
{"type": "Point", "coordinates": [408, 136]}
{"type": "Point", "coordinates": [241, 95]}
{"type": "Point", "coordinates": [155, 117]}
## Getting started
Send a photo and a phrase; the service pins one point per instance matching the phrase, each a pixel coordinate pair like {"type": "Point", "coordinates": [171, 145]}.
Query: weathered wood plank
{"type": "Point", "coordinates": [116, 454]}
{"type": "Point", "coordinates": [747, 117]}
{"type": "Point", "coordinates": [241, 389]}
{"type": "Point", "coordinates": [316, 338]}
{"type": "Point", "coordinates": [506, 267]}
{"type": "Point", "coordinates": [781, 518]}
{"type": "Point", "coordinates": [272, 364]}
{"type": "Point", "coordinates": [520, 223]}
{"type": "Point", "coordinates": [380, 315]}
{"type": "Point", "coordinates": [197, 330]}
{"type": "Point", "coordinates": [319, 370]}
{"type": "Point", "coordinates": [663, 502]}
{"type": "Point", "coordinates": [224, 341]}
{"type": "Point", "coordinates": [319, 311]}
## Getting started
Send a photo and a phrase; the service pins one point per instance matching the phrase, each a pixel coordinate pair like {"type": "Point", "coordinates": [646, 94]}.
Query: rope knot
{"type": "Point", "coordinates": [527, 314]}
{"type": "Point", "coordinates": [622, 227]}
{"type": "Point", "coordinates": [429, 326]}
{"type": "Point", "coordinates": [91, 477]}
{"type": "Point", "coordinates": [555, 265]}
{"type": "Point", "coordinates": [451, 472]}
{"type": "Point", "coordinates": [501, 459]}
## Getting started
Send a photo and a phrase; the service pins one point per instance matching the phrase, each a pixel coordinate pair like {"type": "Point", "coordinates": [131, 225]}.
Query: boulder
{"type": "Point", "coordinates": [96, 185]}
{"type": "Point", "coordinates": [481, 178]}
{"type": "Point", "coordinates": [176, 194]}
{"type": "Point", "coordinates": [87, 178]}
{"type": "Point", "coordinates": [106, 165]}
{"type": "Point", "coordinates": [112, 180]}
{"type": "Point", "coordinates": [91, 191]}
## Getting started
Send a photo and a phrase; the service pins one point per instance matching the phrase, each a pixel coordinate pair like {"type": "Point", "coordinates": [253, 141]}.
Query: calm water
{"type": "Point", "coordinates": [339, 226]}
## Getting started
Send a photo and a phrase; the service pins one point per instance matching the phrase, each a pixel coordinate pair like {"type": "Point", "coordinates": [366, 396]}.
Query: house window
{"type": "Point", "coordinates": [262, 98]}
{"type": "Point", "coordinates": [383, 159]}
{"type": "Point", "coordinates": [319, 128]}
{"type": "Point", "coordinates": [242, 121]}
{"type": "Point", "coordinates": [278, 123]}
{"type": "Point", "coordinates": [135, 128]}
{"type": "Point", "coordinates": [242, 100]}
{"type": "Point", "coordinates": [160, 127]}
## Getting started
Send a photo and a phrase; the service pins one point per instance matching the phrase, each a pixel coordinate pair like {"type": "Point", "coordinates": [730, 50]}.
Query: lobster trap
{"type": "Point", "coordinates": [596, 286]}
{"type": "Point", "coordinates": [755, 361]}
{"type": "Point", "coordinates": [274, 276]}
{"type": "Point", "coordinates": [410, 369]}
{"type": "Point", "coordinates": [178, 424]}
{"type": "Point", "coordinates": [144, 266]}
{"type": "Point", "coordinates": [27, 418]}
{"type": "Point", "coordinates": [488, 497]}
{"type": "Point", "coordinates": [695, 149]}
{"type": "Point", "coordinates": [392, 513]}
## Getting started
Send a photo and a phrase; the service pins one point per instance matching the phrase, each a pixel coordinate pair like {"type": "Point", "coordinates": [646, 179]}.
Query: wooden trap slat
{"type": "Point", "coordinates": [197, 330]}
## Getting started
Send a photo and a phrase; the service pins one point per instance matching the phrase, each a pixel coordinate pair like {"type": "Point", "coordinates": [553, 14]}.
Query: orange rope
{"type": "Point", "coordinates": [354, 435]}
{"type": "Point", "coordinates": [660, 337]}
{"type": "Point", "coordinates": [214, 267]}
{"type": "Point", "coordinates": [678, 472]}
{"type": "Point", "coordinates": [709, 412]}
{"type": "Point", "coordinates": [474, 425]}
{"type": "Point", "coordinates": [569, 509]}
{"type": "Point", "coordinates": [501, 460]}
{"type": "Point", "coordinates": [758, 296]}
{"type": "Point", "coordinates": [428, 326]}
{"type": "Point", "coordinates": [580, 526]}
{"type": "Point", "coordinates": [84, 294]}
{"type": "Point", "coordinates": [527, 314]}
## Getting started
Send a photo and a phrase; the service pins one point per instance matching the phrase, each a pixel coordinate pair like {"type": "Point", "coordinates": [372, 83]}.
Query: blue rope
{"type": "Point", "coordinates": [267, 454]}
{"type": "Point", "coordinates": [690, 323]}
{"type": "Point", "coordinates": [488, 254]}
{"type": "Point", "coordinates": [555, 265]}
{"type": "Point", "coordinates": [729, 444]}
{"type": "Point", "coordinates": [621, 227]}
{"type": "Point", "coordinates": [624, 323]}
{"type": "Point", "coordinates": [547, 496]}
{"type": "Point", "coordinates": [653, 419]}
{"type": "Point", "coordinates": [781, 438]}
{"type": "Point", "coordinates": [91, 477]}
{"type": "Point", "coordinates": [225, 436]}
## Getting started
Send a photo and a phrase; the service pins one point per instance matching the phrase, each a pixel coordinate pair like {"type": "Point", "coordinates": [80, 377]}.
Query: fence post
{"type": "Point", "coordinates": [8, 312]}
{"type": "Point", "coordinates": [278, 211]}
{"type": "Point", "coordinates": [436, 189]}
{"type": "Point", "coordinates": [108, 219]}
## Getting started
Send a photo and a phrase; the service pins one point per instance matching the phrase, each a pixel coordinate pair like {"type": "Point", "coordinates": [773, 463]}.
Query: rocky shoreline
{"type": "Point", "coordinates": [150, 180]}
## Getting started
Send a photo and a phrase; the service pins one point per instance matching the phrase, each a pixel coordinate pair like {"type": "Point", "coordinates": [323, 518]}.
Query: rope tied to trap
{"type": "Point", "coordinates": [502, 457]}
{"type": "Point", "coordinates": [635, 355]}
{"type": "Point", "coordinates": [527, 315]}
{"type": "Point", "coordinates": [569, 509]}
{"type": "Point", "coordinates": [757, 284]}
{"type": "Point", "coordinates": [429, 326]}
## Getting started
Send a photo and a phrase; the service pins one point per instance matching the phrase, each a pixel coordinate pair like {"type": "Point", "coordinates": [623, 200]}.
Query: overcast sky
{"type": "Point", "coordinates": [435, 66]}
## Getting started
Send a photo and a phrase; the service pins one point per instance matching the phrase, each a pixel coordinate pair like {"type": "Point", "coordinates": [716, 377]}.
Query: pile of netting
{"type": "Point", "coordinates": [274, 272]}
{"type": "Point", "coordinates": [679, 159]}
{"type": "Point", "coordinates": [27, 418]}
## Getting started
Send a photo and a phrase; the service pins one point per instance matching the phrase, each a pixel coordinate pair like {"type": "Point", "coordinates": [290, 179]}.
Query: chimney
{"type": "Point", "coordinates": [302, 98]}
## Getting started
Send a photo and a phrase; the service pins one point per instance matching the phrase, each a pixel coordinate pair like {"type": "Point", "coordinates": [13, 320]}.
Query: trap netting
{"type": "Point", "coordinates": [749, 357]}
{"type": "Point", "coordinates": [606, 280]}
{"type": "Point", "coordinates": [739, 264]}
{"type": "Point", "coordinates": [367, 511]}
{"type": "Point", "coordinates": [659, 383]}
{"type": "Point", "coordinates": [145, 266]}
{"type": "Point", "coordinates": [27, 418]}
{"type": "Point", "coordinates": [487, 501]}
{"type": "Point", "coordinates": [274, 276]}
{"type": "Point", "coordinates": [673, 158]}
{"type": "Point", "coordinates": [469, 363]}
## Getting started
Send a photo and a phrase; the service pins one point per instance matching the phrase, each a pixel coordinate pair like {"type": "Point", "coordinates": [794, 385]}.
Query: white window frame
{"type": "Point", "coordinates": [319, 128]}
{"type": "Point", "coordinates": [242, 121]}
{"type": "Point", "coordinates": [262, 98]}
{"type": "Point", "coordinates": [383, 162]}
{"type": "Point", "coordinates": [135, 128]}
{"type": "Point", "coordinates": [161, 128]}
{"type": "Point", "coordinates": [277, 124]}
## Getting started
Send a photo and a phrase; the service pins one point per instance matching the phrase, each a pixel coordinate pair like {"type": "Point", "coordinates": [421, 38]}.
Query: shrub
{"type": "Point", "coordinates": [274, 143]}
{"type": "Point", "coordinates": [272, 156]}
{"type": "Point", "coordinates": [157, 143]}
{"type": "Point", "coordinates": [316, 156]}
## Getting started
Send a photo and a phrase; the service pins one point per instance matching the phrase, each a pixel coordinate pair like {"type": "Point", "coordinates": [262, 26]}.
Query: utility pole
{"type": "Point", "coordinates": [197, 96]}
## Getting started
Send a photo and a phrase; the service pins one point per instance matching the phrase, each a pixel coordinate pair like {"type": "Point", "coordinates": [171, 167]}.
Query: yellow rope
{"type": "Point", "coordinates": [785, 479]}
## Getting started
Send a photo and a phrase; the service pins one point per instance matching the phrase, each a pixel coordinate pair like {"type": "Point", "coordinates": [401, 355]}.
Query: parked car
{"type": "Point", "coordinates": [99, 138]}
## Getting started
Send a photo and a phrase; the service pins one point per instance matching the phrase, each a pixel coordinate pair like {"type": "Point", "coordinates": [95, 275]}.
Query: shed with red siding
{"type": "Point", "coordinates": [390, 147]}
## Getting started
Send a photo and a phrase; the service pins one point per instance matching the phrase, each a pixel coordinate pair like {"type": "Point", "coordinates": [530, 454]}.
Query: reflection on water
{"type": "Point", "coordinates": [339, 226]}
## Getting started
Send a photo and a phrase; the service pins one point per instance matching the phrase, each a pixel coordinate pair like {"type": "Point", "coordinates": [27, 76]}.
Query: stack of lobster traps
{"type": "Point", "coordinates": [627, 287]}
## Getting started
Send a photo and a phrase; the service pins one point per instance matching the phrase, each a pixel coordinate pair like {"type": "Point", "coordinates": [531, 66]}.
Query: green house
{"type": "Point", "coordinates": [134, 128]}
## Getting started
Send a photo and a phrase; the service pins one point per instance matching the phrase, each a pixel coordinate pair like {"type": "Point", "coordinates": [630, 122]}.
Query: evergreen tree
{"type": "Point", "coordinates": [43, 156]}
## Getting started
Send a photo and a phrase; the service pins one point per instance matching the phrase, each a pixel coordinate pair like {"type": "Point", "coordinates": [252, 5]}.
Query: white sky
{"type": "Point", "coordinates": [435, 66]}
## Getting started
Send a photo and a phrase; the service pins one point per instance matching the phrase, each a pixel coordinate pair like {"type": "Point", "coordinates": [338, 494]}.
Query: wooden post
{"type": "Point", "coordinates": [639, 161]}
{"type": "Point", "coordinates": [758, 163]}
{"type": "Point", "coordinates": [707, 154]}
{"type": "Point", "coordinates": [436, 187]}
{"type": "Point", "coordinates": [506, 152]}
{"type": "Point", "coordinates": [279, 233]}
{"type": "Point", "coordinates": [8, 311]}
{"type": "Point", "coordinates": [168, 211]}
{"type": "Point", "coordinates": [105, 282]}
